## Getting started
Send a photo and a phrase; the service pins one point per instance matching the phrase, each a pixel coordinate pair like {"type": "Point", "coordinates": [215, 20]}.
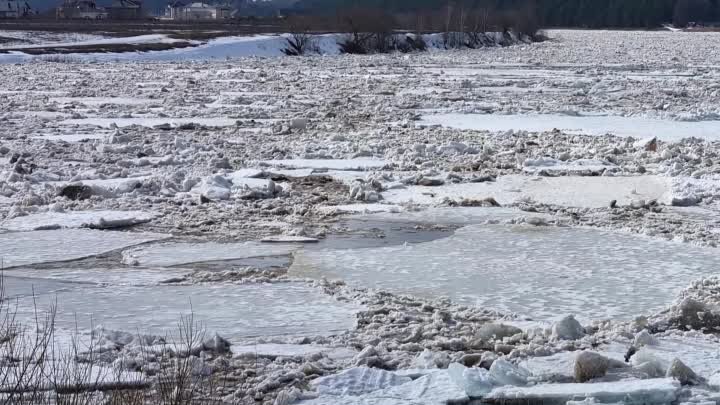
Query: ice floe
{"type": "Point", "coordinates": [35, 247]}
{"type": "Point", "coordinates": [236, 311]}
{"type": "Point", "coordinates": [569, 191]}
{"type": "Point", "coordinates": [433, 389]}
{"type": "Point", "coordinates": [662, 391]}
{"type": "Point", "coordinates": [149, 122]}
{"type": "Point", "coordinates": [539, 271]}
{"type": "Point", "coordinates": [77, 219]}
{"type": "Point", "coordinates": [274, 350]}
{"type": "Point", "coordinates": [590, 124]}
{"type": "Point", "coordinates": [327, 164]}
{"type": "Point", "coordinates": [175, 254]}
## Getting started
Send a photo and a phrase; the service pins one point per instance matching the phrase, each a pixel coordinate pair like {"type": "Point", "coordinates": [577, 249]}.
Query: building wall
{"type": "Point", "coordinates": [124, 13]}
{"type": "Point", "coordinates": [80, 14]}
{"type": "Point", "coordinates": [9, 9]}
{"type": "Point", "coordinates": [196, 13]}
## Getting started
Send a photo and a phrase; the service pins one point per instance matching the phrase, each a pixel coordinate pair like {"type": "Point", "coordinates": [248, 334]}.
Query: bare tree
{"type": "Point", "coordinates": [687, 11]}
{"type": "Point", "coordinates": [370, 31]}
{"type": "Point", "coordinates": [302, 40]}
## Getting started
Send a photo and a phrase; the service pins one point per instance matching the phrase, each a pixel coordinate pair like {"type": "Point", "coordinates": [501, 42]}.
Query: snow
{"type": "Point", "coordinates": [139, 39]}
{"type": "Point", "coordinates": [357, 381]}
{"type": "Point", "coordinates": [544, 272]}
{"type": "Point", "coordinates": [552, 165]}
{"type": "Point", "coordinates": [71, 137]}
{"type": "Point", "coordinates": [433, 389]}
{"type": "Point", "coordinates": [215, 49]}
{"type": "Point", "coordinates": [43, 37]}
{"type": "Point", "coordinates": [699, 352]}
{"type": "Point", "coordinates": [99, 101]}
{"type": "Point", "coordinates": [631, 392]}
{"type": "Point", "coordinates": [360, 209]}
{"type": "Point", "coordinates": [274, 350]}
{"type": "Point", "coordinates": [175, 254]}
{"type": "Point", "coordinates": [106, 187]}
{"type": "Point", "coordinates": [457, 216]}
{"type": "Point", "coordinates": [224, 48]}
{"type": "Point", "coordinates": [77, 219]}
{"type": "Point", "coordinates": [288, 239]}
{"type": "Point", "coordinates": [35, 247]}
{"type": "Point", "coordinates": [590, 192]}
{"type": "Point", "coordinates": [328, 164]}
{"type": "Point", "coordinates": [590, 124]}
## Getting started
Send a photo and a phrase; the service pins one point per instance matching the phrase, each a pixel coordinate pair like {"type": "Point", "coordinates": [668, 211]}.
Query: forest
{"type": "Point", "coordinates": [549, 13]}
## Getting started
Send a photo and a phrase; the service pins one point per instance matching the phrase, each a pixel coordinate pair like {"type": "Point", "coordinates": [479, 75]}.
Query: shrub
{"type": "Point", "coordinates": [301, 40]}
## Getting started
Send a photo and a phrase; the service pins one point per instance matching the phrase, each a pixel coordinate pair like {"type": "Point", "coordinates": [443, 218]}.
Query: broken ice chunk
{"type": "Point", "coordinates": [661, 391]}
{"type": "Point", "coordinates": [567, 329]}
{"type": "Point", "coordinates": [477, 382]}
{"type": "Point", "coordinates": [358, 381]}
{"type": "Point", "coordinates": [506, 373]}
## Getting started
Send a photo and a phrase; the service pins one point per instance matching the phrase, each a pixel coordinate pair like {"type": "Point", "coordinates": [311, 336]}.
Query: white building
{"type": "Point", "coordinates": [80, 10]}
{"type": "Point", "coordinates": [196, 11]}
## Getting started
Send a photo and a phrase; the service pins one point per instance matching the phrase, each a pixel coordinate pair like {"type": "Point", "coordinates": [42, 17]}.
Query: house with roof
{"type": "Point", "coordinates": [14, 9]}
{"type": "Point", "coordinates": [81, 10]}
{"type": "Point", "coordinates": [196, 11]}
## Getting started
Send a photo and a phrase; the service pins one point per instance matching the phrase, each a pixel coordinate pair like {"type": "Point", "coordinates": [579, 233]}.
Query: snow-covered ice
{"type": "Point", "coordinates": [456, 216]}
{"type": "Point", "coordinates": [433, 389]}
{"type": "Point", "coordinates": [35, 247]}
{"type": "Point", "coordinates": [590, 124]}
{"type": "Point", "coordinates": [175, 254]}
{"type": "Point", "coordinates": [591, 192]}
{"type": "Point", "coordinates": [544, 272]}
{"type": "Point", "coordinates": [328, 164]}
{"type": "Point", "coordinates": [77, 219]}
{"type": "Point", "coordinates": [139, 39]}
{"type": "Point", "coordinates": [235, 311]}
{"type": "Point", "coordinates": [150, 122]}
{"type": "Point", "coordinates": [631, 392]}
{"type": "Point", "coordinates": [98, 101]}
{"type": "Point", "coordinates": [358, 381]}
{"type": "Point", "coordinates": [273, 350]}
{"type": "Point", "coordinates": [361, 208]}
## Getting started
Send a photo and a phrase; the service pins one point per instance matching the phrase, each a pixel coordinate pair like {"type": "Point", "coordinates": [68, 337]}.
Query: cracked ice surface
{"type": "Point", "coordinates": [25, 248]}
{"type": "Point", "coordinates": [544, 272]}
{"type": "Point", "coordinates": [174, 254]}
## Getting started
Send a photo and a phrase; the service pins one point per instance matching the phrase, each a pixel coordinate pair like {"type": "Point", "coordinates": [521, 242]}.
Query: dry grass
{"type": "Point", "coordinates": [38, 368]}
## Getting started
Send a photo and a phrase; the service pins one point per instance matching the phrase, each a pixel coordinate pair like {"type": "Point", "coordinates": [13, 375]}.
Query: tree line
{"type": "Point", "coordinates": [549, 13]}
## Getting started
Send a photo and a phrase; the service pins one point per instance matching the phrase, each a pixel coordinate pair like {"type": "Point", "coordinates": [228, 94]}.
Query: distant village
{"type": "Point", "coordinates": [176, 10]}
